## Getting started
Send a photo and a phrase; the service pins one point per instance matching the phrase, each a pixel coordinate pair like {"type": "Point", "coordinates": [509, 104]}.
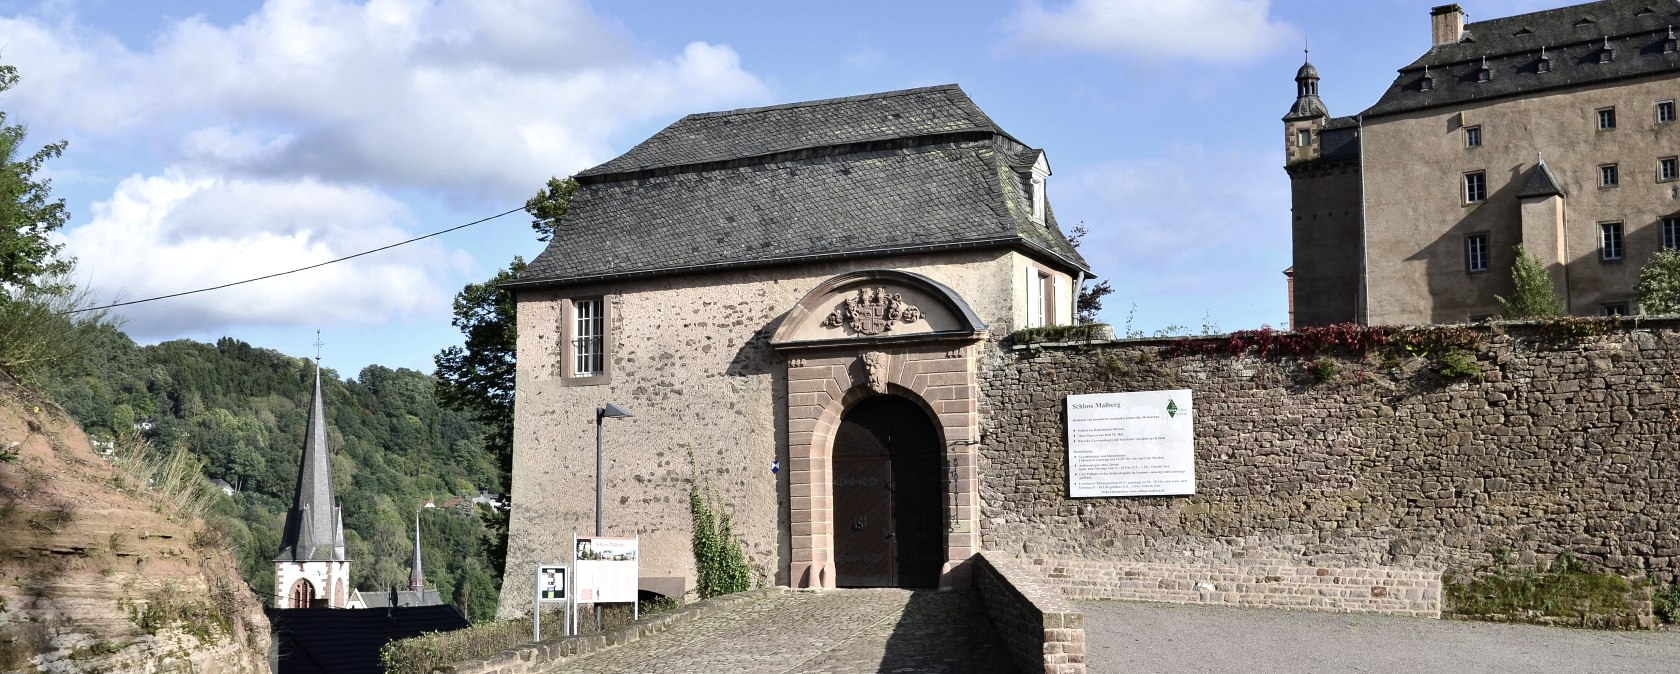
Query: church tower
{"type": "Point", "coordinates": [1306, 119]}
{"type": "Point", "coordinates": [312, 570]}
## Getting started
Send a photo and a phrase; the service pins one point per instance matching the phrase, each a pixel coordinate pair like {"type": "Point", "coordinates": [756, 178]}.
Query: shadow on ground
{"type": "Point", "coordinates": [944, 632]}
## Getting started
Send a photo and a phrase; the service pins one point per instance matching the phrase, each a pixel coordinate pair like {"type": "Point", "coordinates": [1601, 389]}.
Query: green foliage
{"type": "Point", "coordinates": [478, 377]}
{"type": "Point", "coordinates": [1082, 332]}
{"type": "Point", "coordinates": [1566, 593]}
{"type": "Point", "coordinates": [46, 325]}
{"type": "Point", "coordinates": [720, 562]}
{"type": "Point", "coordinates": [28, 213]}
{"type": "Point", "coordinates": [1659, 283]}
{"type": "Point", "coordinates": [1325, 369]}
{"type": "Point", "coordinates": [1089, 302]}
{"type": "Point", "coordinates": [549, 206]}
{"type": "Point", "coordinates": [1460, 364]}
{"type": "Point", "coordinates": [1665, 603]}
{"type": "Point", "coordinates": [1533, 295]}
{"type": "Point", "coordinates": [242, 411]}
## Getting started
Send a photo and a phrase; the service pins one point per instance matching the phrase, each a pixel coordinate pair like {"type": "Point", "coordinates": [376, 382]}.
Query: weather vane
{"type": "Point", "coordinates": [317, 348]}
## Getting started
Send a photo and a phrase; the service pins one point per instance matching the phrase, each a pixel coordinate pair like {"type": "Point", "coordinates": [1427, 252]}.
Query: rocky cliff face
{"type": "Point", "coordinates": [103, 571]}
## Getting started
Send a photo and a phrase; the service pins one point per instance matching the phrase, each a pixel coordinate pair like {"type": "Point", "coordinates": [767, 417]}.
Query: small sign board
{"type": "Point", "coordinates": [606, 569]}
{"type": "Point", "coordinates": [1131, 444]}
{"type": "Point", "coordinates": [551, 582]}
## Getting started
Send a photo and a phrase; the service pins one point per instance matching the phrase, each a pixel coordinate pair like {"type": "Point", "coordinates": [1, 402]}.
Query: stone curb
{"type": "Point", "coordinates": [544, 655]}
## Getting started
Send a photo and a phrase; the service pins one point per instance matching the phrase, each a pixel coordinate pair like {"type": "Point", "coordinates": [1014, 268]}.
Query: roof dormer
{"type": "Point", "coordinates": [1033, 176]}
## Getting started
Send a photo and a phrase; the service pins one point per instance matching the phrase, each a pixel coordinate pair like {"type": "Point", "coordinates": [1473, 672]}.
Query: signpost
{"type": "Point", "coordinates": [550, 587]}
{"type": "Point", "coordinates": [606, 571]}
{"type": "Point", "coordinates": [1131, 444]}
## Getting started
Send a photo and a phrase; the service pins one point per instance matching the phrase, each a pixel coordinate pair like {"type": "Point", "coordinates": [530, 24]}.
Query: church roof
{"type": "Point", "coordinates": [866, 176]}
{"type": "Point", "coordinates": [1572, 38]}
{"type": "Point", "coordinates": [314, 526]}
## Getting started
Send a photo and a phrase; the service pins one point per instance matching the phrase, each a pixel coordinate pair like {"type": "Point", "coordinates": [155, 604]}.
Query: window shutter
{"type": "Point", "coordinates": [1035, 299]}
{"type": "Point", "coordinates": [1057, 313]}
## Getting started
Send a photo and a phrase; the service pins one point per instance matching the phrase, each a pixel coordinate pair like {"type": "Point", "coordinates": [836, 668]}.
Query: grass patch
{"type": "Point", "coordinates": [1083, 332]}
{"type": "Point", "coordinates": [1564, 595]}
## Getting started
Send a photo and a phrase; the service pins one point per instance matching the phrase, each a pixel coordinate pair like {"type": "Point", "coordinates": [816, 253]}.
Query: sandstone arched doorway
{"type": "Point", "coordinates": [888, 496]}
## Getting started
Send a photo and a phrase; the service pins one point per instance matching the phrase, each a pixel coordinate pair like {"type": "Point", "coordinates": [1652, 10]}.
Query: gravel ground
{"type": "Point", "coordinates": [1141, 637]}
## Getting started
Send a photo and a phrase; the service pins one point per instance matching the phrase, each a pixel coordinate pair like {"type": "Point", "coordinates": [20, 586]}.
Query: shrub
{"type": "Point", "coordinates": [1460, 364]}
{"type": "Point", "coordinates": [1659, 283]}
{"type": "Point", "coordinates": [720, 562]}
{"type": "Point", "coordinates": [1534, 295]}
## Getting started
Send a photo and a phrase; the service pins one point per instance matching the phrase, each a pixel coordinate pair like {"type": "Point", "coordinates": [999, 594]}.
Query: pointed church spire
{"type": "Point", "coordinates": [314, 525]}
{"type": "Point", "coordinates": [416, 579]}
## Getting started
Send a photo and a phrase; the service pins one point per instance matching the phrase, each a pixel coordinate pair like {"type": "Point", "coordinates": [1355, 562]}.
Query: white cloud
{"type": "Point", "coordinates": [462, 98]}
{"type": "Point", "coordinates": [1224, 31]}
{"type": "Point", "coordinates": [165, 234]}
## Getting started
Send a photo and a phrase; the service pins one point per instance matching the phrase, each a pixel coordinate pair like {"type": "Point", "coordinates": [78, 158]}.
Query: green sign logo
{"type": "Point", "coordinates": [1172, 408]}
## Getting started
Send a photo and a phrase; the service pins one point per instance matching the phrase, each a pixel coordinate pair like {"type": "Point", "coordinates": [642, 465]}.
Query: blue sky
{"type": "Point", "coordinates": [214, 141]}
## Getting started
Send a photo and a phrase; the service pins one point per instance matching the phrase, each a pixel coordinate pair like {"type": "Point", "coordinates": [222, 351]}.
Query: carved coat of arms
{"type": "Point", "coordinates": [873, 311]}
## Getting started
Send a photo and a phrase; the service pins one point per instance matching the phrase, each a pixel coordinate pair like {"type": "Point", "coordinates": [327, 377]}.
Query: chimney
{"type": "Point", "coordinates": [1446, 24]}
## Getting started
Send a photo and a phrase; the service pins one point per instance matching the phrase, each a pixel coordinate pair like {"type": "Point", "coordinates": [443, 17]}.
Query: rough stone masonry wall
{"type": "Point", "coordinates": [1353, 493]}
{"type": "Point", "coordinates": [1043, 632]}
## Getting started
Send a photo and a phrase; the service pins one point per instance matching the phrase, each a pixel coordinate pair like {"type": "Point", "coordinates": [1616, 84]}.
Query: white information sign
{"type": "Point", "coordinates": [1131, 444]}
{"type": "Point", "coordinates": [605, 570]}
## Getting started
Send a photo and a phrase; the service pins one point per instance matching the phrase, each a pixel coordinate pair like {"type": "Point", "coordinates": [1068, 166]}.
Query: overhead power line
{"type": "Point", "coordinates": [294, 271]}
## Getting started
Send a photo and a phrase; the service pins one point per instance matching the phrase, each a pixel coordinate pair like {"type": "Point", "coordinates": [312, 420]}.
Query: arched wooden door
{"type": "Point", "coordinates": [888, 509]}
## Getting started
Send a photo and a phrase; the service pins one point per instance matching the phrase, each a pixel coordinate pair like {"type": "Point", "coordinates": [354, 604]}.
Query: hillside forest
{"type": "Point", "coordinates": [243, 410]}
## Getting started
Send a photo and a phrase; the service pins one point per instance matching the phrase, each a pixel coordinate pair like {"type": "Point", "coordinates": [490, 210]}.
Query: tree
{"type": "Point", "coordinates": [1534, 295]}
{"type": "Point", "coordinates": [1659, 283]}
{"type": "Point", "coordinates": [550, 205]}
{"type": "Point", "coordinates": [478, 376]}
{"type": "Point", "coordinates": [28, 213]}
{"type": "Point", "coordinates": [1090, 298]}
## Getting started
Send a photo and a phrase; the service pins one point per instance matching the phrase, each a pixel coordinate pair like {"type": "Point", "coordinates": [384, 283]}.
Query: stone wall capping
{"type": "Point", "coordinates": [546, 654]}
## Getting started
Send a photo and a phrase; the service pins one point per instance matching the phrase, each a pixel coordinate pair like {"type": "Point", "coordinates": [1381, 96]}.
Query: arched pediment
{"type": "Point", "coordinates": [878, 305]}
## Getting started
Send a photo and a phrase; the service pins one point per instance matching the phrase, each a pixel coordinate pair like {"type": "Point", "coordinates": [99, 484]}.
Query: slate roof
{"type": "Point", "coordinates": [733, 134]}
{"type": "Point", "coordinates": [347, 641]}
{"type": "Point", "coordinates": [1541, 183]}
{"type": "Point", "coordinates": [422, 597]}
{"type": "Point", "coordinates": [833, 179]}
{"type": "Point", "coordinates": [1572, 37]}
{"type": "Point", "coordinates": [315, 524]}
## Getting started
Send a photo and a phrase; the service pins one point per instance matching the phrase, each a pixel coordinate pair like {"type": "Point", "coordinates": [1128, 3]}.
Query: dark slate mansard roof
{"type": "Point", "coordinates": [899, 172]}
{"type": "Point", "coordinates": [1572, 37]}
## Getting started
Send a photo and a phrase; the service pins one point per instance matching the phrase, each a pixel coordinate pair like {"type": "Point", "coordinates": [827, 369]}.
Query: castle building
{"type": "Point", "coordinates": [796, 302]}
{"type": "Point", "coordinates": [1554, 130]}
{"type": "Point", "coordinates": [312, 569]}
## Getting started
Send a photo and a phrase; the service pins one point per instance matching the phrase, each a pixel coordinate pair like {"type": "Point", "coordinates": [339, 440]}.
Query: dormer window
{"type": "Point", "coordinates": [1545, 64]}
{"type": "Point", "coordinates": [1033, 177]}
{"type": "Point", "coordinates": [1606, 54]}
{"type": "Point", "coordinates": [1670, 44]}
{"type": "Point", "coordinates": [1427, 83]}
{"type": "Point", "coordinates": [1484, 74]}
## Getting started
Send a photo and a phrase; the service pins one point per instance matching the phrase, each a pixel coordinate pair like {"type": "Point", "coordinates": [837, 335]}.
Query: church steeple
{"type": "Point", "coordinates": [311, 567]}
{"type": "Point", "coordinates": [416, 579]}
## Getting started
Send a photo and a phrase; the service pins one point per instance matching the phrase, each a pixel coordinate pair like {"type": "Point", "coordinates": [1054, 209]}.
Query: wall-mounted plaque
{"type": "Point", "coordinates": [1131, 444]}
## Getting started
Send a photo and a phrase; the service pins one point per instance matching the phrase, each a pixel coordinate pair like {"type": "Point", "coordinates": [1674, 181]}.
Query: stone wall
{"type": "Point", "coordinates": [1043, 632]}
{"type": "Point", "coordinates": [1353, 493]}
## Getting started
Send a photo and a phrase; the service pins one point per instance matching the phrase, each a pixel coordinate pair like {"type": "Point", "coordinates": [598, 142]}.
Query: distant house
{"type": "Point", "coordinates": [223, 485]}
{"type": "Point", "coordinates": [494, 501]}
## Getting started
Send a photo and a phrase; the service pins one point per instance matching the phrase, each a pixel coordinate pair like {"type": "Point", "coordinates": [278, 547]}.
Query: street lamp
{"type": "Point", "coordinates": [615, 412]}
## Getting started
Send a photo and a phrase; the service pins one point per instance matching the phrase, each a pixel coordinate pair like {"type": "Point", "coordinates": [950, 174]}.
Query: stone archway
{"type": "Point", "coordinates": [865, 334]}
{"type": "Point", "coordinates": [887, 496]}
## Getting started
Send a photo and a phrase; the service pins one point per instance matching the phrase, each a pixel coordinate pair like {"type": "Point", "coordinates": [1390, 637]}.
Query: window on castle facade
{"type": "Point", "coordinates": [587, 338]}
{"type": "Point", "coordinates": [1668, 168]}
{"type": "Point", "coordinates": [1610, 241]}
{"type": "Point", "coordinates": [1614, 309]}
{"type": "Point", "coordinates": [1472, 136]}
{"type": "Point", "coordinates": [1665, 112]}
{"type": "Point", "coordinates": [1303, 138]}
{"type": "Point", "coordinates": [1671, 233]}
{"type": "Point", "coordinates": [1609, 176]}
{"type": "Point", "coordinates": [1476, 253]}
{"type": "Point", "coordinates": [1475, 187]}
{"type": "Point", "coordinates": [1606, 119]}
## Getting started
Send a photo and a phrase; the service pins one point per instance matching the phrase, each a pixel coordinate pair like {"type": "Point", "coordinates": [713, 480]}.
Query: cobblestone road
{"type": "Point", "coordinates": [836, 632]}
{"type": "Point", "coordinates": [1142, 637]}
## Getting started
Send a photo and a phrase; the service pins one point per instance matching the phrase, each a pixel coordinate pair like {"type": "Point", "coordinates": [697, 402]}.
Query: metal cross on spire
{"type": "Point", "coordinates": [318, 348]}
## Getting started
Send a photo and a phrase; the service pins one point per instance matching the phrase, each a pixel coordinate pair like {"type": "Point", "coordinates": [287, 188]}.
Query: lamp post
{"type": "Point", "coordinates": [603, 412]}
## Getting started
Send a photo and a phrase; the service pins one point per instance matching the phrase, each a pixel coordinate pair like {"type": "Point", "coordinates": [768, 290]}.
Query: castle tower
{"type": "Point", "coordinates": [312, 570]}
{"type": "Point", "coordinates": [1305, 120]}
